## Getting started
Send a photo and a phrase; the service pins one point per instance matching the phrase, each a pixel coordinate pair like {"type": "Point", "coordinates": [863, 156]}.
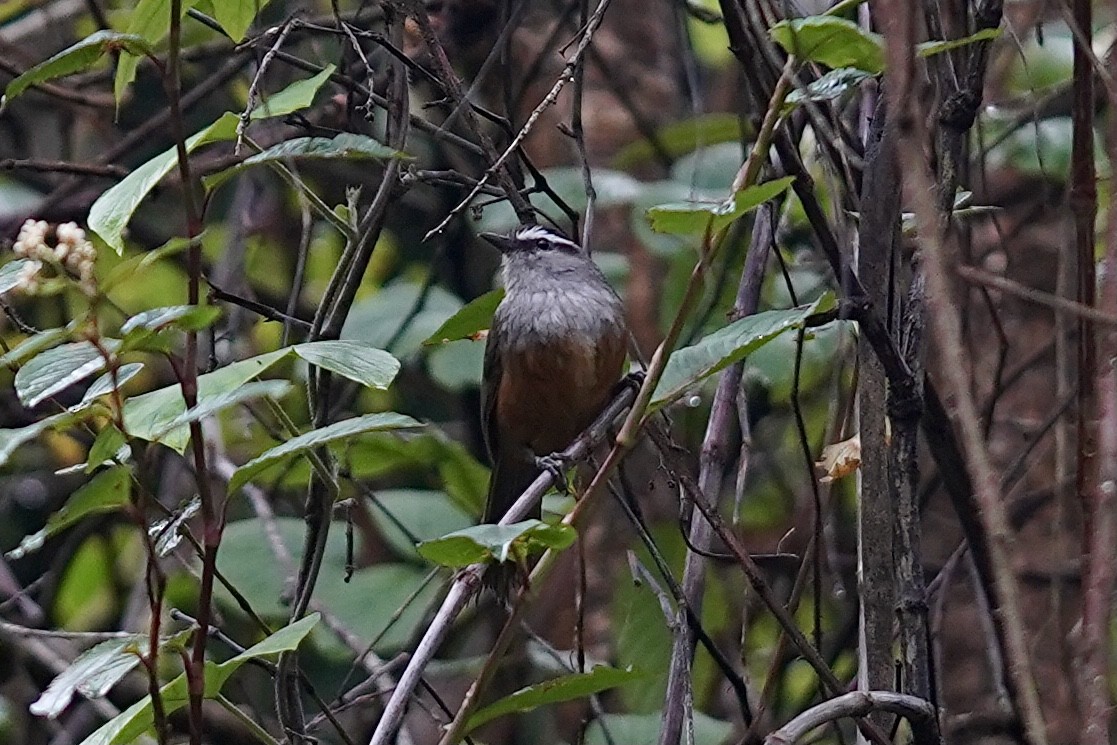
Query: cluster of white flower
{"type": "Point", "coordinates": [72, 250]}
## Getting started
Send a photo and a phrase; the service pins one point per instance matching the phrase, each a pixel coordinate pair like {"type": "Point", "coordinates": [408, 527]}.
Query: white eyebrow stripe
{"type": "Point", "coordinates": [535, 232]}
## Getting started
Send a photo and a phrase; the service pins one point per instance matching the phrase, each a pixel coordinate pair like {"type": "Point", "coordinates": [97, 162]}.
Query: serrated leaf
{"type": "Point", "coordinates": [211, 405]}
{"type": "Point", "coordinates": [138, 718]}
{"type": "Point", "coordinates": [929, 48]}
{"type": "Point", "coordinates": [107, 491]}
{"type": "Point", "coordinates": [831, 41]}
{"type": "Point", "coordinates": [235, 16]}
{"type": "Point", "coordinates": [690, 365]}
{"type": "Point", "coordinates": [345, 146]}
{"type": "Point", "coordinates": [317, 437]}
{"type": "Point", "coordinates": [109, 215]}
{"type": "Point", "coordinates": [104, 385]}
{"type": "Point", "coordinates": [468, 323]}
{"type": "Point", "coordinates": [56, 369]}
{"type": "Point", "coordinates": [146, 416]}
{"type": "Point", "coordinates": [10, 274]}
{"type": "Point", "coordinates": [108, 443]}
{"type": "Point", "coordinates": [828, 87]}
{"type": "Point", "coordinates": [296, 96]}
{"type": "Point", "coordinates": [93, 673]}
{"type": "Point", "coordinates": [690, 218]}
{"type": "Point", "coordinates": [357, 361]}
{"type": "Point", "coordinates": [485, 542]}
{"type": "Point", "coordinates": [74, 59]}
{"type": "Point", "coordinates": [556, 690]}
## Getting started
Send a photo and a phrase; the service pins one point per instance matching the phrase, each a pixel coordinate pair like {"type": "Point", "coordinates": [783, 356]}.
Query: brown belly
{"type": "Point", "coordinates": [548, 395]}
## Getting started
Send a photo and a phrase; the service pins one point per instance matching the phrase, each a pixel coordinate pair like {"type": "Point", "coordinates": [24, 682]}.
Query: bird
{"type": "Point", "coordinates": [554, 356]}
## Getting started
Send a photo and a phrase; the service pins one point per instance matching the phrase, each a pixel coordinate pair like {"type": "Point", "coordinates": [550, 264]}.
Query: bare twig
{"type": "Point", "coordinates": [1032, 295]}
{"type": "Point", "coordinates": [468, 581]}
{"type": "Point", "coordinates": [715, 451]}
{"type": "Point", "coordinates": [917, 711]}
{"type": "Point", "coordinates": [548, 100]}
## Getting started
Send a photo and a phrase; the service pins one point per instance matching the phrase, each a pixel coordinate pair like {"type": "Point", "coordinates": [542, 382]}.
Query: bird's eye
{"type": "Point", "coordinates": [542, 244]}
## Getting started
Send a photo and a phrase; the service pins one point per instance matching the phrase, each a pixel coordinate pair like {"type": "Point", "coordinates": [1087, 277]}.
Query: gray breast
{"type": "Point", "coordinates": [543, 306]}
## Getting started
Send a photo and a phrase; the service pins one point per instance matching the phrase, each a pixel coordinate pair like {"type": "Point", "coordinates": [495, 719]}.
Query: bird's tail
{"type": "Point", "coordinates": [510, 478]}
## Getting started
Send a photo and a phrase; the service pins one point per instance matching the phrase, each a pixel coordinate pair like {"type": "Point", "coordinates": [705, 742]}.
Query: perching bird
{"type": "Point", "coordinates": [554, 355]}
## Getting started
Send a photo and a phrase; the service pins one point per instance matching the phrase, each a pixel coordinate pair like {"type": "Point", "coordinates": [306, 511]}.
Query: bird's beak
{"type": "Point", "coordinates": [502, 242]}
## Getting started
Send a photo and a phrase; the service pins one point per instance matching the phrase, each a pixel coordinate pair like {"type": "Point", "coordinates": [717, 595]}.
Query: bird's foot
{"type": "Point", "coordinates": [634, 380]}
{"type": "Point", "coordinates": [554, 464]}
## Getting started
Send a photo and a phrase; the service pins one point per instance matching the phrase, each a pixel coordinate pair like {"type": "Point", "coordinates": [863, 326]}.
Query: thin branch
{"type": "Point", "coordinates": [566, 76]}
{"type": "Point", "coordinates": [1032, 295]}
{"type": "Point", "coordinates": [919, 713]}
{"type": "Point", "coordinates": [712, 460]}
{"type": "Point", "coordinates": [468, 582]}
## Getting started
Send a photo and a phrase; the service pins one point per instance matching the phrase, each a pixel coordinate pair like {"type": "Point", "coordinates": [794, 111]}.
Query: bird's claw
{"type": "Point", "coordinates": [634, 380]}
{"type": "Point", "coordinates": [555, 465]}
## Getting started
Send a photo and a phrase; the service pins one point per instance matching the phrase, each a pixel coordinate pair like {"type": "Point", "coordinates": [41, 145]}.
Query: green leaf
{"type": "Point", "coordinates": [107, 491]}
{"type": "Point", "coordinates": [92, 674]}
{"type": "Point", "coordinates": [345, 146]}
{"type": "Point", "coordinates": [357, 361]}
{"type": "Point", "coordinates": [556, 690]}
{"type": "Point", "coordinates": [10, 274]}
{"type": "Point", "coordinates": [317, 437]}
{"type": "Point", "coordinates": [692, 364]}
{"type": "Point", "coordinates": [828, 87]}
{"type": "Point", "coordinates": [104, 385]}
{"type": "Point", "coordinates": [110, 214]}
{"type": "Point", "coordinates": [688, 218]}
{"type": "Point", "coordinates": [235, 16]}
{"type": "Point", "coordinates": [187, 317]}
{"type": "Point", "coordinates": [56, 369]}
{"type": "Point", "coordinates": [680, 138]}
{"type": "Point", "coordinates": [108, 443]}
{"type": "Point", "coordinates": [424, 514]}
{"type": "Point", "coordinates": [74, 59]}
{"type": "Point", "coordinates": [297, 95]}
{"type": "Point", "coordinates": [464, 478]}
{"type": "Point", "coordinates": [150, 20]}
{"type": "Point", "coordinates": [134, 265]}
{"type": "Point", "coordinates": [211, 405]}
{"type": "Point", "coordinates": [486, 542]}
{"type": "Point", "coordinates": [643, 729]}
{"type": "Point", "coordinates": [33, 345]}
{"type": "Point", "coordinates": [929, 48]}
{"type": "Point", "coordinates": [138, 718]}
{"type": "Point", "coordinates": [380, 317]}
{"type": "Point", "coordinates": [366, 605]}
{"type": "Point", "coordinates": [474, 317]}
{"type": "Point", "coordinates": [831, 41]}
{"type": "Point", "coordinates": [146, 416]}
{"type": "Point", "coordinates": [12, 439]}
{"type": "Point", "coordinates": [143, 330]}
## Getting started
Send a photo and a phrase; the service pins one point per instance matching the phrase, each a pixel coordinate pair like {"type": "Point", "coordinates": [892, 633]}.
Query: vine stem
{"type": "Point", "coordinates": [212, 515]}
